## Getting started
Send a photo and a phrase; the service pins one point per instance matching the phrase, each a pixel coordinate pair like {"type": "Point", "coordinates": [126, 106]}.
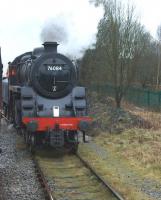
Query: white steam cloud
{"type": "Point", "coordinates": [73, 23]}
{"type": "Point", "coordinates": [75, 30]}
{"type": "Point", "coordinates": [54, 30]}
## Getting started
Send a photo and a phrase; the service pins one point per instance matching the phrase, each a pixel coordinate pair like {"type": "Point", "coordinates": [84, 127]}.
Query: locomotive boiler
{"type": "Point", "coordinates": [42, 99]}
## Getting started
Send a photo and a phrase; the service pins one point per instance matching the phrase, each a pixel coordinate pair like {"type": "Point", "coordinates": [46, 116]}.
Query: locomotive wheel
{"type": "Point", "coordinates": [26, 136]}
{"type": "Point", "coordinates": [5, 110]}
{"type": "Point", "coordinates": [17, 114]}
{"type": "Point", "coordinates": [32, 142]}
{"type": "Point", "coordinates": [18, 131]}
{"type": "Point", "coordinates": [74, 149]}
{"type": "Point", "coordinates": [71, 139]}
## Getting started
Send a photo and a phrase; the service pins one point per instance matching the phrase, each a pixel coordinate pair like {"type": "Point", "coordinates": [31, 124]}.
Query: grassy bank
{"type": "Point", "coordinates": [131, 138]}
{"type": "Point", "coordinates": [140, 148]}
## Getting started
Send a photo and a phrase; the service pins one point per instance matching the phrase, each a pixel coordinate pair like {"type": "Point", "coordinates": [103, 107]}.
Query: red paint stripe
{"type": "Point", "coordinates": [45, 123]}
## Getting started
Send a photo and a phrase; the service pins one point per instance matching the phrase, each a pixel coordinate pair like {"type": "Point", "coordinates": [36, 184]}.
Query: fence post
{"type": "Point", "coordinates": [148, 93]}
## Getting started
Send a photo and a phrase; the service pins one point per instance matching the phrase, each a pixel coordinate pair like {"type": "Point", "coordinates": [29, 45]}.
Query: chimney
{"type": "Point", "coordinates": [50, 47]}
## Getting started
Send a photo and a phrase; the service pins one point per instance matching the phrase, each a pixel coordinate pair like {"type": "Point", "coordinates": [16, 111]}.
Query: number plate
{"type": "Point", "coordinates": [55, 111]}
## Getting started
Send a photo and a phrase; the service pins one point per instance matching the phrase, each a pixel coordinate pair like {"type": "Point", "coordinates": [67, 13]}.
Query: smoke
{"type": "Point", "coordinates": [74, 29]}
{"type": "Point", "coordinates": [54, 30]}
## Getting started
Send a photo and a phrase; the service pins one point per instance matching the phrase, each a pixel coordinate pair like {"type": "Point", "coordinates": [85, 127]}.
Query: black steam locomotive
{"type": "Point", "coordinates": [41, 98]}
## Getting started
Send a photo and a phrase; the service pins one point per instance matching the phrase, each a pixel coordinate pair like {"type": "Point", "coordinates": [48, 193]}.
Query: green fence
{"type": "Point", "coordinates": [140, 97]}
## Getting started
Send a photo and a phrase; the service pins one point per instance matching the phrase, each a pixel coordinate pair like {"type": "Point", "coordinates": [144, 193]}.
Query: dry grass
{"type": "Point", "coordinates": [137, 147]}
{"type": "Point", "coordinates": [153, 117]}
{"type": "Point", "coordinates": [140, 148]}
{"type": "Point", "coordinates": [138, 151]}
{"type": "Point", "coordinates": [140, 144]}
{"type": "Point", "coordinates": [114, 173]}
{"type": "Point", "coordinates": [20, 145]}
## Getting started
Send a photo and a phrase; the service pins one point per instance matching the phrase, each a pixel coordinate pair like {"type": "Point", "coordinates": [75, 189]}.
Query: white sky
{"type": "Point", "coordinates": [150, 13]}
{"type": "Point", "coordinates": [21, 22]}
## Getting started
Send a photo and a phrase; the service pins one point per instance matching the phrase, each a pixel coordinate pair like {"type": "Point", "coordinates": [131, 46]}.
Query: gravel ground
{"type": "Point", "coordinates": [150, 187]}
{"type": "Point", "coordinates": [17, 176]}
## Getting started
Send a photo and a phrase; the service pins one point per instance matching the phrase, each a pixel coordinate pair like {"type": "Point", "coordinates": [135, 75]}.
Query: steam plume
{"type": "Point", "coordinates": [75, 30]}
{"type": "Point", "coordinates": [54, 30]}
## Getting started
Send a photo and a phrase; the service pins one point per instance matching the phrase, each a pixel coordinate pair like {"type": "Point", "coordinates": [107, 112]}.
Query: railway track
{"type": "Point", "coordinates": [70, 177]}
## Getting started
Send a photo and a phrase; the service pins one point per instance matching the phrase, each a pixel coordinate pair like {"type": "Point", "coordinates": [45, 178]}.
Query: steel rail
{"type": "Point", "coordinates": [43, 181]}
{"type": "Point", "coordinates": [40, 174]}
{"type": "Point", "coordinates": [104, 182]}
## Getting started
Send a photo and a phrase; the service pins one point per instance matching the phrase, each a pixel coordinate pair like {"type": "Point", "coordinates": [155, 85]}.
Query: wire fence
{"type": "Point", "coordinates": [137, 96]}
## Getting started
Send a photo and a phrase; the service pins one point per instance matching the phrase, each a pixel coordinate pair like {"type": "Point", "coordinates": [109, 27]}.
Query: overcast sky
{"type": "Point", "coordinates": [22, 21]}
{"type": "Point", "coordinates": [150, 13]}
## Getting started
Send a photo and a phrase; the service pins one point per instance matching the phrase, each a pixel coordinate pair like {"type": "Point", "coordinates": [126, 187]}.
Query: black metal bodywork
{"type": "Point", "coordinates": [37, 82]}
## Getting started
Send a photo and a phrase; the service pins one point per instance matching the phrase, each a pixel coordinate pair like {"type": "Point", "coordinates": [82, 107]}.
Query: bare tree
{"type": "Point", "coordinates": [147, 70]}
{"type": "Point", "coordinates": [121, 37]}
{"type": "Point", "coordinates": [159, 56]}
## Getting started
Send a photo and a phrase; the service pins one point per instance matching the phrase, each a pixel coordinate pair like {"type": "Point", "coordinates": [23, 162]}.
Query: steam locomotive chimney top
{"type": "Point", "coordinates": [50, 46]}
